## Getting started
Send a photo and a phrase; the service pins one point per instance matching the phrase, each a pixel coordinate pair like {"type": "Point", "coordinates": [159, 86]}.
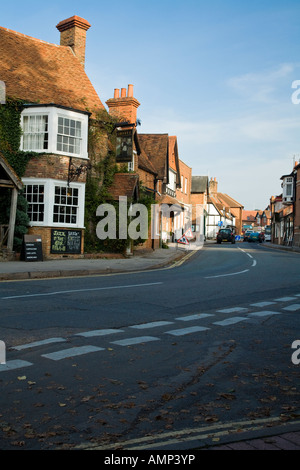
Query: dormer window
{"type": "Point", "coordinates": [287, 189]}
{"type": "Point", "coordinates": [288, 186]}
{"type": "Point", "coordinates": [54, 129]}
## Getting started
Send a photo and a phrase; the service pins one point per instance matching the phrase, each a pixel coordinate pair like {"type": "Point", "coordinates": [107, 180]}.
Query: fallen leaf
{"type": "Point", "coordinates": [228, 396]}
{"type": "Point", "coordinates": [23, 377]}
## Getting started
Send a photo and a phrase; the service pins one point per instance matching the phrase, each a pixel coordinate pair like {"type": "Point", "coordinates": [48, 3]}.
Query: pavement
{"type": "Point", "coordinates": [283, 437]}
{"type": "Point", "coordinates": [67, 267]}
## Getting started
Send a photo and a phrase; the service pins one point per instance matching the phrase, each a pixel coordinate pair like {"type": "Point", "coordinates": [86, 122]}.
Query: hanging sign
{"type": "Point", "coordinates": [124, 146]}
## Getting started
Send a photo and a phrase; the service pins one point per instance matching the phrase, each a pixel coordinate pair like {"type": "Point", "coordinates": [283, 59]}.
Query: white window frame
{"type": "Point", "coordinates": [172, 180]}
{"type": "Point", "coordinates": [288, 187]}
{"type": "Point", "coordinates": [131, 164]}
{"type": "Point", "coordinates": [49, 202]}
{"type": "Point", "coordinates": [53, 113]}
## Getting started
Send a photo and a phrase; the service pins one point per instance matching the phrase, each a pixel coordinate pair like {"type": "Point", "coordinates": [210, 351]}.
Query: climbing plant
{"type": "Point", "coordinates": [102, 145]}
{"type": "Point", "coordinates": [10, 137]}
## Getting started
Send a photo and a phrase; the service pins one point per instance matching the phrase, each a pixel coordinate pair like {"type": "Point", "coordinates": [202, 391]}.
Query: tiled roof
{"type": "Point", "coordinates": [124, 184]}
{"type": "Point", "coordinates": [199, 184]}
{"type": "Point", "coordinates": [156, 148]}
{"type": "Point", "coordinates": [145, 164]}
{"type": "Point", "coordinates": [173, 152]}
{"type": "Point", "coordinates": [37, 71]}
{"type": "Point", "coordinates": [166, 199]}
{"type": "Point", "coordinates": [143, 161]}
{"type": "Point", "coordinates": [228, 200]}
{"type": "Point", "coordinates": [7, 170]}
{"type": "Point", "coordinates": [249, 215]}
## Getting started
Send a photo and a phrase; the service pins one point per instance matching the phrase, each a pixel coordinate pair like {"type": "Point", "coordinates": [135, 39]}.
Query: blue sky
{"type": "Point", "coordinates": [216, 74]}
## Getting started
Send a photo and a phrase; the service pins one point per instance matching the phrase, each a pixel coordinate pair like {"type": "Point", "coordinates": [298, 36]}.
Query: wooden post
{"type": "Point", "coordinates": [12, 219]}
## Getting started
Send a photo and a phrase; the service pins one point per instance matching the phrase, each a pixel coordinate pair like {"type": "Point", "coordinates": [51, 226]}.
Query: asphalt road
{"type": "Point", "coordinates": [170, 358]}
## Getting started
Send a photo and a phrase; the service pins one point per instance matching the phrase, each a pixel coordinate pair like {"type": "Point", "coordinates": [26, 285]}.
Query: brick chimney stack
{"type": "Point", "coordinates": [123, 107]}
{"type": "Point", "coordinates": [213, 186]}
{"type": "Point", "coordinates": [73, 34]}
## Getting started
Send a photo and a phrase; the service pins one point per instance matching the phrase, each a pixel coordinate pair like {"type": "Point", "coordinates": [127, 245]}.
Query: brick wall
{"type": "Point", "coordinates": [45, 233]}
{"type": "Point", "coordinates": [183, 194]}
{"type": "Point", "coordinates": [53, 166]}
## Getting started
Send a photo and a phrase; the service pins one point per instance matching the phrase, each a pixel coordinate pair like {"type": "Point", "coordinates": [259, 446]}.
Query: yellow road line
{"type": "Point", "coordinates": [189, 434]}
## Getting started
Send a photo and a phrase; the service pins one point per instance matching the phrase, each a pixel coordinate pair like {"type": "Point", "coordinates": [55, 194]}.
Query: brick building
{"type": "Point", "coordinates": [59, 103]}
{"type": "Point", "coordinates": [162, 151]}
{"type": "Point", "coordinates": [218, 208]}
{"type": "Point", "coordinates": [285, 210]}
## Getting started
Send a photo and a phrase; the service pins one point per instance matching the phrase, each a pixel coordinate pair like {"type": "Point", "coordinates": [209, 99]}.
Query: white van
{"type": "Point", "coordinates": [268, 233]}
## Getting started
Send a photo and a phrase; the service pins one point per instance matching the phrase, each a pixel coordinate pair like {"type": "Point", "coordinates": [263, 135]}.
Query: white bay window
{"type": "Point", "coordinates": [52, 203]}
{"type": "Point", "coordinates": [54, 129]}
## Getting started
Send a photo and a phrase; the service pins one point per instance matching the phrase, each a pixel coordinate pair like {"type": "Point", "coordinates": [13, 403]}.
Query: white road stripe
{"type": "Point", "coordinates": [285, 299]}
{"type": "Point", "coordinates": [233, 310]}
{"type": "Point", "coordinates": [138, 340]}
{"type": "Point", "coordinates": [263, 313]}
{"type": "Point", "coordinates": [65, 353]}
{"type": "Point", "coordinates": [99, 332]}
{"type": "Point", "coordinates": [226, 275]}
{"type": "Point", "coordinates": [292, 308]}
{"type": "Point", "coordinates": [39, 343]}
{"type": "Point", "coordinates": [230, 321]}
{"type": "Point", "coordinates": [153, 324]}
{"type": "Point", "coordinates": [262, 304]}
{"type": "Point", "coordinates": [81, 290]}
{"type": "Point", "coordinates": [16, 364]}
{"type": "Point", "coordinates": [197, 316]}
{"type": "Point", "coordinates": [186, 331]}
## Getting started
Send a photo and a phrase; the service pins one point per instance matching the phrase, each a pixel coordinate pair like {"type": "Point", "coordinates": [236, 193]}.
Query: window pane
{"type": "Point", "coordinates": [69, 135]}
{"type": "Point", "coordinates": [65, 210]}
{"type": "Point", "coordinates": [35, 194]}
{"type": "Point", "coordinates": [35, 132]}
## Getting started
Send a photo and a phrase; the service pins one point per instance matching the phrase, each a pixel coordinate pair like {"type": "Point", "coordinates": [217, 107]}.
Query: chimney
{"type": "Point", "coordinates": [73, 34]}
{"type": "Point", "coordinates": [123, 107]}
{"type": "Point", "coordinates": [213, 186]}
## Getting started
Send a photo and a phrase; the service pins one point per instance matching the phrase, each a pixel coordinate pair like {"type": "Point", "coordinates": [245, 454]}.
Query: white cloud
{"type": "Point", "coordinates": [260, 87]}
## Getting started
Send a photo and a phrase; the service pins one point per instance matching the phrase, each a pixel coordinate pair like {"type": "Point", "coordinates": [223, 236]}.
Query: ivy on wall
{"type": "Point", "coordinates": [102, 147]}
{"type": "Point", "coordinates": [10, 137]}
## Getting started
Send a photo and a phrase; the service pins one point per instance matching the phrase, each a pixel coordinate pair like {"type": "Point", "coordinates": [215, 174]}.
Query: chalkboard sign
{"type": "Point", "coordinates": [32, 248]}
{"type": "Point", "coordinates": [65, 241]}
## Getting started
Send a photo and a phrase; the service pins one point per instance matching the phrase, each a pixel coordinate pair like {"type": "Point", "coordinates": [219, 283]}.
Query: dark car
{"type": "Point", "coordinates": [225, 235]}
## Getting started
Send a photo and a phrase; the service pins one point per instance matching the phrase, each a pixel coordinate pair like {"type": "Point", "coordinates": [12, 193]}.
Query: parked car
{"type": "Point", "coordinates": [246, 234]}
{"type": "Point", "coordinates": [225, 235]}
{"type": "Point", "coordinates": [256, 237]}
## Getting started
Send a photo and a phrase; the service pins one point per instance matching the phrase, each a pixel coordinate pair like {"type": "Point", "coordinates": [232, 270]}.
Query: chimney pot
{"type": "Point", "coordinates": [130, 91]}
{"type": "Point", "coordinates": [123, 92]}
{"type": "Point", "coordinates": [117, 93]}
